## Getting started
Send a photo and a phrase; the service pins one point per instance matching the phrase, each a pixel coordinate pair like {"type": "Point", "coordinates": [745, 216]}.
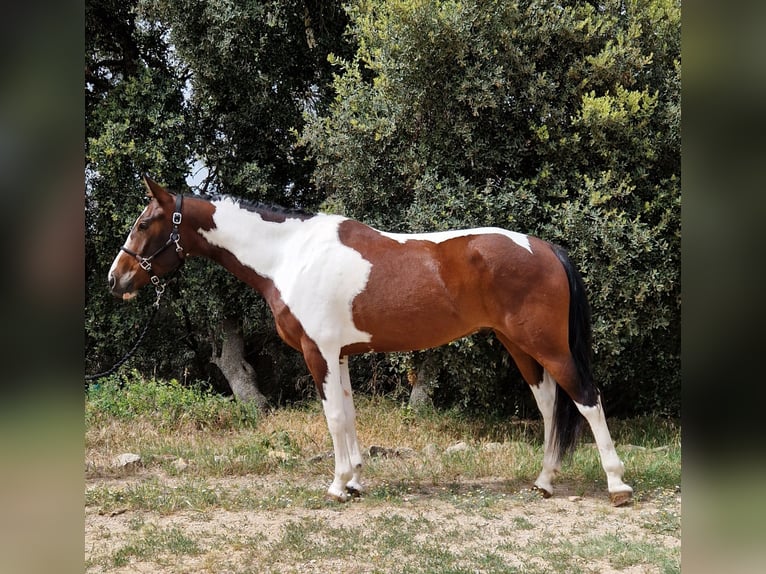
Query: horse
{"type": "Point", "coordinates": [337, 287]}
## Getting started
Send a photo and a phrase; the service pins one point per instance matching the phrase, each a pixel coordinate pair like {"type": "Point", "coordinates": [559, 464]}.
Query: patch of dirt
{"type": "Point", "coordinates": [477, 516]}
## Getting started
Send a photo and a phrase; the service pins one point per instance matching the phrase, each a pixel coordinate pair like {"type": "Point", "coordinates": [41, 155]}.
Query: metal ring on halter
{"type": "Point", "coordinates": [159, 286]}
{"type": "Point", "coordinates": [159, 289]}
{"type": "Point", "coordinates": [175, 237]}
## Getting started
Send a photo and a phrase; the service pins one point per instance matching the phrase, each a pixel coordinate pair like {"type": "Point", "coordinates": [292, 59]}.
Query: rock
{"type": "Point", "coordinates": [459, 447]}
{"type": "Point", "coordinates": [492, 447]}
{"type": "Point", "coordinates": [126, 460]}
{"type": "Point", "coordinates": [432, 450]}
{"type": "Point", "coordinates": [320, 457]}
{"type": "Point", "coordinates": [574, 498]}
{"type": "Point", "coordinates": [404, 452]}
{"type": "Point", "coordinates": [376, 451]}
{"type": "Point", "coordinates": [180, 464]}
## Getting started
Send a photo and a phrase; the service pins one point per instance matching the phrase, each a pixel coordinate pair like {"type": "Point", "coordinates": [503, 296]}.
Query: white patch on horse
{"type": "Point", "coordinates": [318, 277]}
{"type": "Point", "coordinates": [545, 395]}
{"type": "Point", "coordinates": [610, 461]}
{"type": "Point", "coordinates": [440, 236]}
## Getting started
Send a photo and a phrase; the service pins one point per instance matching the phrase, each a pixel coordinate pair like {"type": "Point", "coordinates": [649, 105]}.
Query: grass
{"type": "Point", "coordinates": [425, 512]}
{"type": "Point", "coordinates": [611, 549]}
{"type": "Point", "coordinates": [154, 540]}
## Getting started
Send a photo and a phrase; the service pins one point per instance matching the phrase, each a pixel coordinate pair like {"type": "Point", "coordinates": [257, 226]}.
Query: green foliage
{"type": "Point", "coordinates": [136, 121]}
{"type": "Point", "coordinates": [170, 83]}
{"type": "Point", "coordinates": [253, 69]}
{"type": "Point", "coordinates": [560, 121]}
{"type": "Point", "coordinates": [169, 405]}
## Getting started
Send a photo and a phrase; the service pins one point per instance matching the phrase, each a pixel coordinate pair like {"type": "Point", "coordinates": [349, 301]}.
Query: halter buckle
{"type": "Point", "coordinates": [145, 264]}
{"type": "Point", "coordinates": [177, 218]}
{"type": "Point", "coordinates": [159, 289]}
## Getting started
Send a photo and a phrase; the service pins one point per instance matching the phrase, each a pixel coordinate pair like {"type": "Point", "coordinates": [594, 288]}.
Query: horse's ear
{"type": "Point", "coordinates": [153, 189]}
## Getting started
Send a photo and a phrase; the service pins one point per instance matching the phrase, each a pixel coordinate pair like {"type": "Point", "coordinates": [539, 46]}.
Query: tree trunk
{"type": "Point", "coordinates": [422, 381]}
{"type": "Point", "coordinates": [230, 359]}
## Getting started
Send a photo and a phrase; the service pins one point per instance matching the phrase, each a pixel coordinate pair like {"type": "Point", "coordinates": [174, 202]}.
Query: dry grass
{"type": "Point", "coordinates": [250, 495]}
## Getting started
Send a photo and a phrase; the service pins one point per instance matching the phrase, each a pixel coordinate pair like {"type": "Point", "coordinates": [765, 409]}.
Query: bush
{"type": "Point", "coordinates": [170, 405]}
{"type": "Point", "coordinates": [556, 120]}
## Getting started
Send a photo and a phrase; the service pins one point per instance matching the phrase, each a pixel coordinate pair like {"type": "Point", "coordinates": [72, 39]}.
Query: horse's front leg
{"type": "Point", "coordinates": [339, 411]}
{"type": "Point", "coordinates": [331, 376]}
{"type": "Point", "coordinates": [354, 486]}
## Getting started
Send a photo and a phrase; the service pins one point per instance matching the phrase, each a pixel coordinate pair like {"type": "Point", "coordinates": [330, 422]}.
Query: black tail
{"type": "Point", "coordinates": [567, 420]}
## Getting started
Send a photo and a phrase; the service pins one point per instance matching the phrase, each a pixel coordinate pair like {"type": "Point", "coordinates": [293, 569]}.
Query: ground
{"type": "Point", "coordinates": [467, 526]}
{"type": "Point", "coordinates": [215, 492]}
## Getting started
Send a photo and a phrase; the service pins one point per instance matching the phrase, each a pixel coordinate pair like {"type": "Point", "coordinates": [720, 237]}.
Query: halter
{"type": "Point", "coordinates": [175, 237]}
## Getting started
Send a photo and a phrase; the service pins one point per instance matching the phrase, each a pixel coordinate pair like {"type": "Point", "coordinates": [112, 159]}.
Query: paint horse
{"type": "Point", "coordinates": [337, 287]}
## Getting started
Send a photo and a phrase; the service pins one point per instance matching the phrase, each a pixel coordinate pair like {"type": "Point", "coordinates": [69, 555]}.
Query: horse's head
{"type": "Point", "coordinates": [152, 248]}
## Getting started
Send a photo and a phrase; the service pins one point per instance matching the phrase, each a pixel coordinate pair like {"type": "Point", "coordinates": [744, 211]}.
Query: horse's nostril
{"type": "Point", "coordinates": [112, 281]}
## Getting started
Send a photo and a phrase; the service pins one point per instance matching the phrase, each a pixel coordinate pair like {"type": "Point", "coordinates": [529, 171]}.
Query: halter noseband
{"type": "Point", "coordinates": [175, 237]}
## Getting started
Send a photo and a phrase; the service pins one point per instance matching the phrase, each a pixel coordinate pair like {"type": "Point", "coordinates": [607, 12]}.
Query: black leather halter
{"type": "Point", "coordinates": [175, 237]}
{"type": "Point", "coordinates": [159, 286]}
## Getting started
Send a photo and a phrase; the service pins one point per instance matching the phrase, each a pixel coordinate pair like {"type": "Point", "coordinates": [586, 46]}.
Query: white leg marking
{"type": "Point", "coordinates": [351, 439]}
{"type": "Point", "coordinates": [609, 460]}
{"type": "Point", "coordinates": [337, 422]}
{"type": "Point", "coordinates": [545, 395]}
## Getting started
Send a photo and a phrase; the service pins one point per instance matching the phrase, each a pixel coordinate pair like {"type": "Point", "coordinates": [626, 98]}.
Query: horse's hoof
{"type": "Point", "coordinates": [333, 497]}
{"type": "Point", "coordinates": [354, 492]}
{"type": "Point", "coordinates": [620, 498]}
{"type": "Point", "coordinates": [545, 492]}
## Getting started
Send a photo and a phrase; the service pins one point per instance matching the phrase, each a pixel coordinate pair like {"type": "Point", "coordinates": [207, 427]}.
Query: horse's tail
{"type": "Point", "coordinates": [567, 420]}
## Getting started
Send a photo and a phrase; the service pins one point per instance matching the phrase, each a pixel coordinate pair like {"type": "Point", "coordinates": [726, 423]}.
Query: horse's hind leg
{"type": "Point", "coordinates": [544, 390]}
{"type": "Point", "coordinates": [543, 382]}
{"type": "Point", "coordinates": [545, 396]}
{"type": "Point", "coordinates": [619, 492]}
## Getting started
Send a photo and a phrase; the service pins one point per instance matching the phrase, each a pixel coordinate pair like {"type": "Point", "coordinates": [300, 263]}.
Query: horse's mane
{"type": "Point", "coordinates": [269, 212]}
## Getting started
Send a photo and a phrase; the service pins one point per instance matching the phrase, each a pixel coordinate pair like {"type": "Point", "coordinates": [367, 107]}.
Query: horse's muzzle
{"type": "Point", "coordinates": [121, 290]}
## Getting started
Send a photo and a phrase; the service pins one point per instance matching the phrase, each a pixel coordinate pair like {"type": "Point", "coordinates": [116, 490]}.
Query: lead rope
{"type": "Point", "coordinates": [159, 285]}
{"type": "Point", "coordinates": [159, 289]}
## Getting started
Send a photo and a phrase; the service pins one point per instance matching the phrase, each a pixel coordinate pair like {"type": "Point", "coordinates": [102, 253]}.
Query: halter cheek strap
{"type": "Point", "coordinates": [175, 237]}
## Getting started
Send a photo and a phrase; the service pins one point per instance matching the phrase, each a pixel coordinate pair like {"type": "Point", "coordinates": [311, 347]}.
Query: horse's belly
{"type": "Point", "coordinates": [399, 330]}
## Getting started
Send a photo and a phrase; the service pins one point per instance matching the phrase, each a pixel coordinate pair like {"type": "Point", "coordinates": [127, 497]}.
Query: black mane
{"type": "Point", "coordinates": [269, 212]}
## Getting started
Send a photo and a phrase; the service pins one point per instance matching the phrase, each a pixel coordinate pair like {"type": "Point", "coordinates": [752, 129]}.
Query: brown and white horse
{"type": "Point", "coordinates": [337, 287]}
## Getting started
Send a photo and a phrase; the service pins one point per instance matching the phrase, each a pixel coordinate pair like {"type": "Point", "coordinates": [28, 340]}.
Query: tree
{"type": "Point", "coordinates": [135, 121]}
{"type": "Point", "coordinates": [556, 119]}
{"type": "Point", "coordinates": [559, 120]}
{"type": "Point", "coordinates": [172, 83]}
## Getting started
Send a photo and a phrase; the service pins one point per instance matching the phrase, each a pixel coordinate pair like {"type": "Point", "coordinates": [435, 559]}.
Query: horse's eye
{"type": "Point", "coordinates": [143, 225]}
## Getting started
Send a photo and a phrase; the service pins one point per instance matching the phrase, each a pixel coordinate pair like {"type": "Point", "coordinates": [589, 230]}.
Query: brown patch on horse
{"type": "Point", "coordinates": [434, 299]}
